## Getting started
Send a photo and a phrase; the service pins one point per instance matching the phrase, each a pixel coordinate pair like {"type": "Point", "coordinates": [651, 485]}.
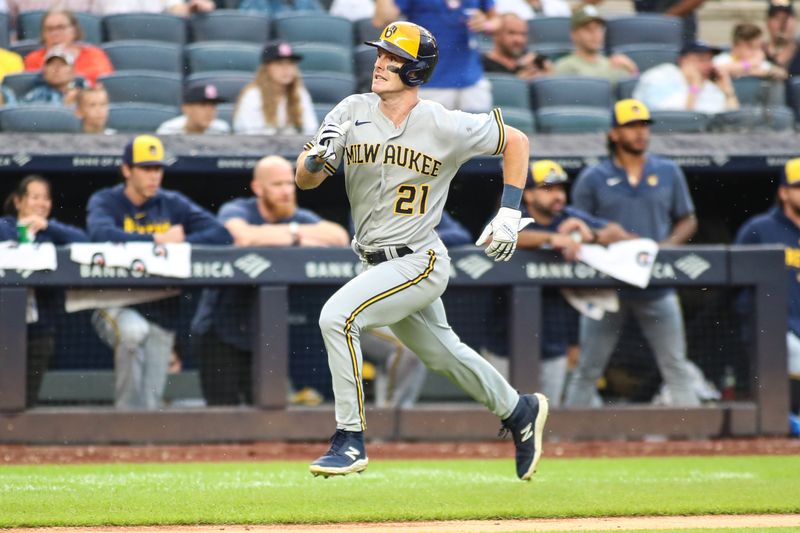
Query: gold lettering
{"type": "Point", "coordinates": [793, 257]}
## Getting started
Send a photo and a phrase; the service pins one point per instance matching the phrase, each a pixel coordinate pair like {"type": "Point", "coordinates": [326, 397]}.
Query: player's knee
{"type": "Point", "coordinates": [331, 319]}
{"type": "Point", "coordinates": [133, 334]}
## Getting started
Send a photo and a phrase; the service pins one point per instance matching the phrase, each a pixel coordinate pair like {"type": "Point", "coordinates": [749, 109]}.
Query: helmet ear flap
{"type": "Point", "coordinates": [413, 67]}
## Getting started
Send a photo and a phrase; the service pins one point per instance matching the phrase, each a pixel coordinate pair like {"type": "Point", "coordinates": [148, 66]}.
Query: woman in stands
{"type": "Point", "coordinates": [276, 101]}
{"type": "Point", "coordinates": [60, 27]}
{"type": "Point", "coordinates": [28, 208]}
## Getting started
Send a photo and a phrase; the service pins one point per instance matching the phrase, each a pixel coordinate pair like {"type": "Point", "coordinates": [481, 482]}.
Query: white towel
{"type": "Point", "coordinates": [169, 260]}
{"type": "Point", "coordinates": [27, 256]}
{"type": "Point", "coordinates": [629, 261]}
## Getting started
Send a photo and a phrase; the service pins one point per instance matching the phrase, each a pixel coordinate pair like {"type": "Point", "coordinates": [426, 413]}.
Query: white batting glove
{"type": "Point", "coordinates": [329, 139]}
{"type": "Point", "coordinates": [503, 229]}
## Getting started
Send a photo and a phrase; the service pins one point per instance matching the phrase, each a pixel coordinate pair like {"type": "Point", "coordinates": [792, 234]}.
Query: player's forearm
{"type": "Point", "coordinates": [266, 235]}
{"type": "Point", "coordinates": [533, 239]}
{"type": "Point", "coordinates": [323, 234]}
{"type": "Point", "coordinates": [611, 233]}
{"type": "Point", "coordinates": [515, 158]}
{"type": "Point", "coordinates": [306, 179]}
{"type": "Point", "coordinates": [683, 230]}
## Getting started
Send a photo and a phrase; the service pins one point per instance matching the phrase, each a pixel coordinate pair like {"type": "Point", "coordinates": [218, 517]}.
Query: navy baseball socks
{"type": "Point", "coordinates": [526, 424]}
{"type": "Point", "coordinates": [345, 456]}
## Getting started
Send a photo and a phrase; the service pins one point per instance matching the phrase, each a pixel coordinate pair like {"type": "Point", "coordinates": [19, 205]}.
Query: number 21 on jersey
{"type": "Point", "coordinates": [412, 199]}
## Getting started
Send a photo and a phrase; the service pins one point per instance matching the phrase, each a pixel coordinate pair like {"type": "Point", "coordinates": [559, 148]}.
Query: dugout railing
{"type": "Point", "coordinates": [758, 269]}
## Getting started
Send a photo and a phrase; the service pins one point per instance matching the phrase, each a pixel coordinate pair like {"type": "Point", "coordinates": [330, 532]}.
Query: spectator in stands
{"type": "Point", "coordinates": [58, 83]}
{"type": "Point", "coordinates": [563, 228]}
{"type": "Point", "coordinates": [685, 9]}
{"type": "Point", "coordinates": [92, 110]}
{"type": "Point", "coordinates": [20, 6]}
{"type": "Point", "coordinates": [648, 196]}
{"type": "Point", "coordinates": [140, 210]}
{"type": "Point", "coordinates": [589, 34]}
{"type": "Point", "coordinates": [29, 207]}
{"type": "Point", "coordinates": [693, 85]}
{"type": "Point", "coordinates": [182, 8]}
{"type": "Point", "coordinates": [10, 63]}
{"type": "Point", "coordinates": [747, 57]}
{"type": "Point", "coordinates": [781, 48]}
{"type": "Point", "coordinates": [221, 329]}
{"type": "Point", "coordinates": [510, 54]}
{"type": "Point", "coordinates": [60, 28]}
{"type": "Point", "coordinates": [353, 9]}
{"type": "Point", "coordinates": [199, 112]}
{"type": "Point", "coordinates": [276, 101]}
{"type": "Point", "coordinates": [781, 225]}
{"type": "Point", "coordinates": [273, 7]}
{"type": "Point", "coordinates": [458, 81]}
{"type": "Point", "coordinates": [528, 9]}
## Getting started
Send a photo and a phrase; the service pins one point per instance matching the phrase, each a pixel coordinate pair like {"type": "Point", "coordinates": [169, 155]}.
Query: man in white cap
{"type": "Point", "coordinates": [199, 113]}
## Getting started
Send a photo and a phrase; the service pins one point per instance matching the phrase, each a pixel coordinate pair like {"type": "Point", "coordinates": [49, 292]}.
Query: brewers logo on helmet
{"type": "Point", "coordinates": [413, 43]}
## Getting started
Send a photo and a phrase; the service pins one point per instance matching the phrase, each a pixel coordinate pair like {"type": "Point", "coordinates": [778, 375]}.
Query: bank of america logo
{"type": "Point", "coordinates": [692, 265]}
{"type": "Point", "coordinates": [474, 265]}
{"type": "Point", "coordinates": [252, 265]}
{"type": "Point", "coordinates": [21, 159]}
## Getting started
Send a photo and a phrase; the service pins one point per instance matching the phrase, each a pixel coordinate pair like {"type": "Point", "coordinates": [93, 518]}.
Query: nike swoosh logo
{"type": "Point", "coordinates": [613, 181]}
{"type": "Point", "coordinates": [362, 122]}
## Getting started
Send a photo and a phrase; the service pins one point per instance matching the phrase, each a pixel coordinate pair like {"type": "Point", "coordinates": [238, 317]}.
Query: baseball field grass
{"type": "Point", "coordinates": [284, 492]}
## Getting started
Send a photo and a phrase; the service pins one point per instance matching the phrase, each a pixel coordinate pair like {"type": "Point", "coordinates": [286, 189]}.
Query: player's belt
{"type": "Point", "coordinates": [379, 256]}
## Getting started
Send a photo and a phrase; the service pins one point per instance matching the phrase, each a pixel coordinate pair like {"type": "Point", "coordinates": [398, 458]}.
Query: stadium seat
{"type": "Point", "coordinates": [143, 86]}
{"type": "Point", "coordinates": [29, 26]}
{"type": "Point", "coordinates": [551, 30]}
{"type": "Point", "coordinates": [5, 30]}
{"type": "Point", "coordinates": [364, 59]}
{"type": "Point", "coordinates": [325, 57]}
{"type": "Point", "coordinates": [570, 91]}
{"type": "Point", "coordinates": [222, 55]}
{"type": "Point", "coordinates": [793, 96]}
{"type": "Point", "coordinates": [573, 119]}
{"type": "Point", "coordinates": [751, 90]}
{"type": "Point", "coordinates": [139, 118]}
{"type": "Point", "coordinates": [750, 118]}
{"type": "Point", "coordinates": [365, 31]}
{"type": "Point", "coordinates": [521, 118]}
{"type": "Point", "coordinates": [679, 122]}
{"type": "Point", "coordinates": [229, 83]}
{"type": "Point", "coordinates": [145, 55]}
{"type": "Point", "coordinates": [25, 46]}
{"type": "Point", "coordinates": [313, 27]}
{"type": "Point", "coordinates": [322, 110]}
{"type": "Point", "coordinates": [328, 87]}
{"type": "Point", "coordinates": [647, 56]}
{"type": "Point", "coordinates": [21, 82]}
{"type": "Point", "coordinates": [225, 112]}
{"type": "Point", "coordinates": [644, 28]}
{"type": "Point", "coordinates": [230, 25]}
{"type": "Point", "coordinates": [39, 118]}
{"type": "Point", "coordinates": [149, 26]}
{"type": "Point", "coordinates": [508, 90]}
{"type": "Point", "coordinates": [624, 88]}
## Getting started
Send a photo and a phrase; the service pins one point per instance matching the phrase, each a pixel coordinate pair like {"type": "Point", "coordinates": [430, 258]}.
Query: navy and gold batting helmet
{"type": "Point", "coordinates": [413, 43]}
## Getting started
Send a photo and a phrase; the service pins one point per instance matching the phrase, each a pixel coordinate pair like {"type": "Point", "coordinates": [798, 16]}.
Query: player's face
{"type": "Point", "coordinates": [548, 200]}
{"type": "Point", "coordinates": [512, 39]}
{"type": "Point", "coordinates": [632, 138]}
{"type": "Point", "coordinates": [143, 182]}
{"type": "Point", "coordinates": [590, 37]}
{"type": "Point", "coordinates": [383, 80]}
{"type": "Point", "coordinates": [790, 197]}
{"type": "Point", "coordinates": [282, 71]}
{"type": "Point", "coordinates": [274, 186]}
{"type": "Point", "coordinates": [93, 108]}
{"type": "Point", "coordinates": [36, 201]}
{"type": "Point", "coordinates": [199, 116]}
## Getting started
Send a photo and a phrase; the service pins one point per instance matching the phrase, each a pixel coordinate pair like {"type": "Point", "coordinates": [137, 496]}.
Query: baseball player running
{"type": "Point", "coordinates": [400, 154]}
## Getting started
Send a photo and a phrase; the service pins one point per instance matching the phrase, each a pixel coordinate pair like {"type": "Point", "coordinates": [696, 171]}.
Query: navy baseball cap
{"type": "Point", "coordinates": [278, 50]}
{"type": "Point", "coordinates": [699, 47]}
{"type": "Point", "coordinates": [778, 6]}
{"type": "Point", "coordinates": [200, 93]}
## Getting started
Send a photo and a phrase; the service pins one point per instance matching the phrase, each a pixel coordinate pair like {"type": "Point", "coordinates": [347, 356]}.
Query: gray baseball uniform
{"type": "Point", "coordinates": [397, 180]}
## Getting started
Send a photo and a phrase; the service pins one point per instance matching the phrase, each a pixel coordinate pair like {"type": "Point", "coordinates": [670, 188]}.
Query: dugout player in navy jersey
{"type": "Point", "coordinates": [781, 225]}
{"type": "Point", "coordinates": [221, 329]}
{"type": "Point", "coordinates": [648, 196]}
{"type": "Point", "coordinates": [140, 210]}
{"type": "Point", "coordinates": [561, 227]}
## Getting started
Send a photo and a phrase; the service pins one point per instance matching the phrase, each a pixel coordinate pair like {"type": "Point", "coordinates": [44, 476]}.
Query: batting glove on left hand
{"type": "Point", "coordinates": [326, 144]}
{"type": "Point", "coordinates": [503, 229]}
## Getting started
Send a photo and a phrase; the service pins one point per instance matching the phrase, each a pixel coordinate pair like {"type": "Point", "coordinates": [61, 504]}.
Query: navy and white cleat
{"type": "Point", "coordinates": [526, 425]}
{"type": "Point", "coordinates": [346, 455]}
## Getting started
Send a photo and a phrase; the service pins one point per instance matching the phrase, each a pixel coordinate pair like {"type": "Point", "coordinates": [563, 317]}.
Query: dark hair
{"type": "Point", "coordinates": [746, 32]}
{"type": "Point", "coordinates": [22, 190]}
{"type": "Point", "coordinates": [73, 20]}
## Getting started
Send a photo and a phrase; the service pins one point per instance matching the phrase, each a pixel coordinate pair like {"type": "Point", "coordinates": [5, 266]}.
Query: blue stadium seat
{"type": "Point", "coordinates": [322, 110]}
{"type": "Point", "coordinates": [5, 30]}
{"type": "Point", "coordinates": [644, 28]}
{"type": "Point", "coordinates": [751, 90]}
{"type": "Point", "coordinates": [39, 118]}
{"type": "Point", "coordinates": [229, 83]}
{"type": "Point", "coordinates": [521, 118]}
{"type": "Point", "coordinates": [329, 87]}
{"type": "Point", "coordinates": [21, 82]}
{"type": "Point", "coordinates": [325, 57]}
{"type": "Point", "coordinates": [149, 26]}
{"type": "Point", "coordinates": [29, 26]}
{"type": "Point", "coordinates": [139, 118]}
{"type": "Point", "coordinates": [793, 96]}
{"type": "Point", "coordinates": [509, 91]}
{"type": "Point", "coordinates": [573, 119]}
{"type": "Point", "coordinates": [230, 25]}
{"type": "Point", "coordinates": [679, 122]}
{"type": "Point", "coordinates": [364, 59]}
{"type": "Point", "coordinates": [647, 56]}
{"type": "Point", "coordinates": [143, 86]}
{"type": "Point", "coordinates": [222, 55]}
{"type": "Point", "coordinates": [570, 91]}
{"type": "Point", "coordinates": [25, 46]}
{"type": "Point", "coordinates": [554, 51]}
{"type": "Point", "coordinates": [225, 112]}
{"type": "Point", "coordinates": [145, 55]}
{"type": "Point", "coordinates": [313, 27]}
{"type": "Point", "coordinates": [551, 30]}
{"type": "Point", "coordinates": [365, 31]}
{"type": "Point", "coordinates": [750, 118]}
{"type": "Point", "coordinates": [624, 88]}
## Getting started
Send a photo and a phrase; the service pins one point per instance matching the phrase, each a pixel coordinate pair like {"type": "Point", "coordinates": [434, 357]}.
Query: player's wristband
{"type": "Point", "coordinates": [312, 165]}
{"type": "Point", "coordinates": [512, 196]}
